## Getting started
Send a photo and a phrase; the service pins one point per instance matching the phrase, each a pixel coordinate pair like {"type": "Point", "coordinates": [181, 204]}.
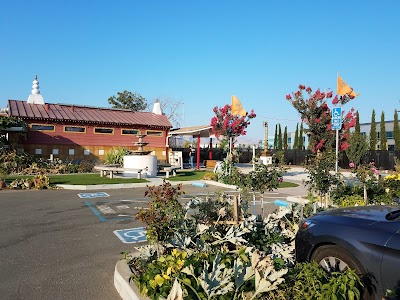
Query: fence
{"type": "Point", "coordinates": [382, 159]}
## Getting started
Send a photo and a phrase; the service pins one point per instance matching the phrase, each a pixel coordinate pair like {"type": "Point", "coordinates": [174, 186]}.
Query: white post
{"type": "Point", "coordinates": [337, 148]}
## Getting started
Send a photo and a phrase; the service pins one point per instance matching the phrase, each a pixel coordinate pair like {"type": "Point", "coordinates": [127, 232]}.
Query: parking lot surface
{"type": "Point", "coordinates": [64, 244]}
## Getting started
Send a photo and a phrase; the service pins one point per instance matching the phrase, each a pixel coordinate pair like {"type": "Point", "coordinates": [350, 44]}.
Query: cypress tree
{"type": "Point", "coordinates": [276, 137]}
{"type": "Point", "coordinates": [295, 144]}
{"type": "Point", "coordinates": [300, 140]}
{"type": "Point", "coordinates": [372, 134]}
{"type": "Point", "coordinates": [358, 144]}
{"type": "Point", "coordinates": [285, 139]}
{"type": "Point", "coordinates": [357, 128]}
{"type": "Point", "coordinates": [279, 137]}
{"type": "Point", "coordinates": [383, 138]}
{"type": "Point", "coordinates": [396, 131]}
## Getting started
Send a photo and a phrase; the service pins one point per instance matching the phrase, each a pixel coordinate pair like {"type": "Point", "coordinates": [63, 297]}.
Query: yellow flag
{"type": "Point", "coordinates": [237, 108]}
{"type": "Point", "coordinates": [344, 89]}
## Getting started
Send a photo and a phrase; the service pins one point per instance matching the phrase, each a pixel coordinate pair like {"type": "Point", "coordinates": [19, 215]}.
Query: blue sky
{"type": "Point", "coordinates": [203, 52]}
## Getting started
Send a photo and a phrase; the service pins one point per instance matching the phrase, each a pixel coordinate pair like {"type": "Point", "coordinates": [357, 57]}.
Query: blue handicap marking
{"type": "Point", "coordinates": [132, 235]}
{"type": "Point", "coordinates": [337, 112]}
{"type": "Point", "coordinates": [93, 195]}
{"type": "Point", "coordinates": [337, 118]}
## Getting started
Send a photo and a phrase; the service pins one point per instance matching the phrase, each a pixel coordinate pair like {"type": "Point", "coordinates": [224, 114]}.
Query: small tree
{"type": "Point", "coordinates": [128, 100]}
{"type": "Point", "coordinates": [396, 131]}
{"type": "Point", "coordinates": [295, 145]}
{"type": "Point", "coordinates": [280, 146]}
{"type": "Point", "coordinates": [285, 139]}
{"type": "Point", "coordinates": [383, 138]}
{"type": "Point", "coordinates": [300, 140]}
{"type": "Point", "coordinates": [357, 128]}
{"type": "Point", "coordinates": [276, 137]}
{"type": "Point", "coordinates": [372, 133]}
{"type": "Point", "coordinates": [173, 110]}
{"type": "Point", "coordinates": [5, 123]}
{"type": "Point", "coordinates": [358, 144]}
{"type": "Point", "coordinates": [314, 111]}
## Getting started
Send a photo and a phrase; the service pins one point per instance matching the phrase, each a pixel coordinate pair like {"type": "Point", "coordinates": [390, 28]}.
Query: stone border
{"type": "Point", "coordinates": [126, 290]}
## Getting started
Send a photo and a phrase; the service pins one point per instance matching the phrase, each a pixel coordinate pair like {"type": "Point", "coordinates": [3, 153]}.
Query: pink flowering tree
{"type": "Point", "coordinates": [364, 173]}
{"type": "Point", "coordinates": [226, 125]}
{"type": "Point", "coordinates": [315, 113]}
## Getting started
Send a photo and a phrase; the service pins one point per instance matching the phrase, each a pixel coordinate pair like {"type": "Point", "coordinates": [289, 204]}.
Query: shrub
{"type": "Point", "coordinates": [354, 200]}
{"type": "Point", "coordinates": [210, 176]}
{"type": "Point", "coordinates": [392, 185]}
{"type": "Point", "coordinates": [164, 213]}
{"type": "Point", "coordinates": [85, 167]}
{"type": "Point", "coordinates": [116, 156]}
{"type": "Point", "coordinates": [305, 281]}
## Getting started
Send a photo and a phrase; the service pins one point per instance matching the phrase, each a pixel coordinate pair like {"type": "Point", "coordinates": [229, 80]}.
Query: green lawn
{"type": "Point", "coordinates": [80, 179]}
{"type": "Point", "coordinates": [90, 179]}
{"type": "Point", "coordinates": [287, 184]}
{"type": "Point", "coordinates": [188, 176]}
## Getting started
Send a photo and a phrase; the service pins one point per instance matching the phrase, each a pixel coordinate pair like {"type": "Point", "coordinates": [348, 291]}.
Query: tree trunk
{"type": "Point", "coordinates": [365, 194]}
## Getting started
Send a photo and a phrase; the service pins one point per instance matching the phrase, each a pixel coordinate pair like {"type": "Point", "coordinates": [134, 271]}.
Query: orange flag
{"type": "Point", "coordinates": [237, 108]}
{"type": "Point", "coordinates": [344, 89]}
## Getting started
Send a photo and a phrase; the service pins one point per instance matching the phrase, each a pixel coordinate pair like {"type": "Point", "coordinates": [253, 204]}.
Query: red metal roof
{"type": "Point", "coordinates": [84, 114]}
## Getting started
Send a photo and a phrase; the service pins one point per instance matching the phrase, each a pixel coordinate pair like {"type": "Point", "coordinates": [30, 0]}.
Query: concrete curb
{"type": "Point", "coordinates": [126, 290]}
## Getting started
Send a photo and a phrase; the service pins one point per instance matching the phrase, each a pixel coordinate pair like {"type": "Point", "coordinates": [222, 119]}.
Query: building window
{"type": "Point", "coordinates": [391, 147]}
{"type": "Point", "coordinates": [104, 130]}
{"type": "Point", "coordinates": [154, 132]}
{"type": "Point", "coordinates": [86, 152]}
{"type": "Point", "coordinates": [363, 133]}
{"type": "Point", "coordinates": [101, 152]}
{"type": "Point", "coordinates": [378, 134]}
{"type": "Point", "coordinates": [71, 151]}
{"type": "Point", "coordinates": [289, 140]}
{"type": "Point", "coordinates": [55, 151]}
{"type": "Point", "coordinates": [39, 127]}
{"type": "Point", "coordinates": [74, 129]}
{"type": "Point", "coordinates": [130, 131]}
{"type": "Point", "coordinates": [38, 151]}
{"type": "Point", "coordinates": [389, 135]}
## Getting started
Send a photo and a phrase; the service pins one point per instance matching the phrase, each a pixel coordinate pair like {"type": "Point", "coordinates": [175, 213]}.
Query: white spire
{"type": "Point", "coordinates": [157, 108]}
{"type": "Point", "coordinates": [35, 96]}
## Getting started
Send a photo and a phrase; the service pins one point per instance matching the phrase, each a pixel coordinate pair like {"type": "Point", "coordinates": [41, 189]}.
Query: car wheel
{"type": "Point", "coordinates": [334, 258]}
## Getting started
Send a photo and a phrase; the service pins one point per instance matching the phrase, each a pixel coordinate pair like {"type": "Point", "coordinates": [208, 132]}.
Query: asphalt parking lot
{"type": "Point", "coordinates": [64, 244]}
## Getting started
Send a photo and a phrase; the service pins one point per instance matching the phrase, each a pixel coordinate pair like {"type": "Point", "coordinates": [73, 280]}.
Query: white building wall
{"type": "Point", "coordinates": [291, 136]}
{"type": "Point", "coordinates": [365, 128]}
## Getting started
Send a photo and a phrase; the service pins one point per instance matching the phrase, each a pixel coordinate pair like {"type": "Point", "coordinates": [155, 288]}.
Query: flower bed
{"type": "Point", "coordinates": [198, 252]}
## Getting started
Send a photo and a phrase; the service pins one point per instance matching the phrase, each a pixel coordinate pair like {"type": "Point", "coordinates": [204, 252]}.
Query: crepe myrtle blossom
{"type": "Point", "coordinates": [225, 124]}
{"type": "Point", "coordinates": [315, 112]}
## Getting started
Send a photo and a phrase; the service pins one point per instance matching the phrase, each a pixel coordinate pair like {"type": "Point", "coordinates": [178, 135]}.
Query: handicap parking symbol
{"type": "Point", "coordinates": [132, 235]}
{"type": "Point", "coordinates": [93, 195]}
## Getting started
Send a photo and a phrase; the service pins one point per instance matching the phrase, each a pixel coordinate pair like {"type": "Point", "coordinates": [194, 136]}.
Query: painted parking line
{"type": "Point", "coordinates": [116, 210]}
{"type": "Point", "coordinates": [93, 195]}
{"type": "Point", "coordinates": [132, 235]}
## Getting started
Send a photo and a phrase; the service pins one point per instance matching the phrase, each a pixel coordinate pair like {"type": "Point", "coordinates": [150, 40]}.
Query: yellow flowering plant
{"type": "Point", "coordinates": [392, 184]}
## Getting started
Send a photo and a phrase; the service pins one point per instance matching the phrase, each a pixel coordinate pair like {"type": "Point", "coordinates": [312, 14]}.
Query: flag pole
{"type": "Point", "coordinates": [337, 147]}
{"type": "Point", "coordinates": [337, 135]}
